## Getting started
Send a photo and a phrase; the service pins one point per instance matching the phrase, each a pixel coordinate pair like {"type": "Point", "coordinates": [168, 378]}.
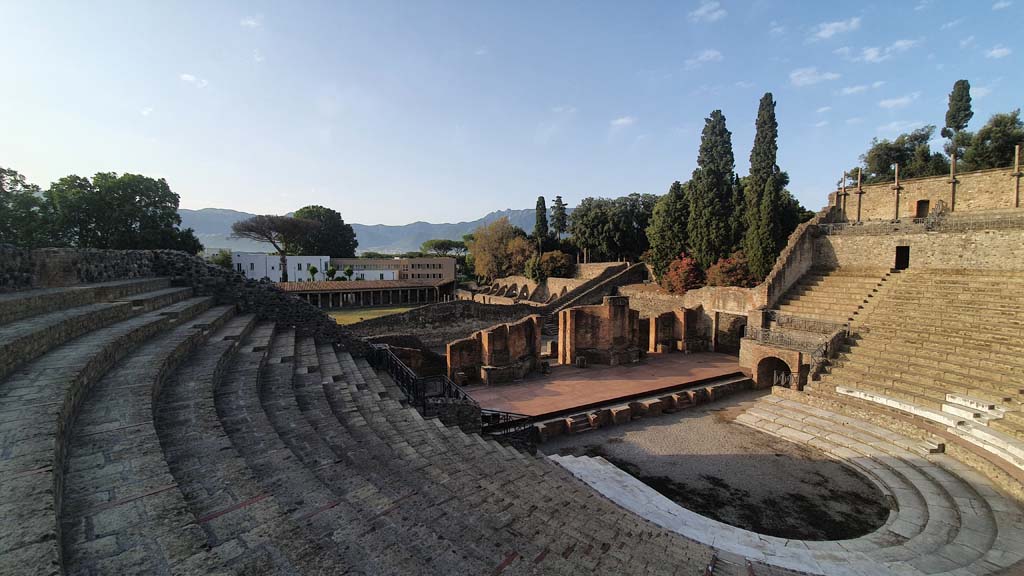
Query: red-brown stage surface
{"type": "Point", "coordinates": [568, 387]}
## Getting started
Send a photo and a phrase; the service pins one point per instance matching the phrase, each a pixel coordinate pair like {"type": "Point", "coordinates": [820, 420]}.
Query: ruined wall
{"type": "Point", "coordinates": [981, 190]}
{"type": "Point", "coordinates": [595, 269]}
{"type": "Point", "coordinates": [497, 354]}
{"type": "Point", "coordinates": [440, 323]}
{"type": "Point", "coordinates": [606, 333]}
{"type": "Point", "coordinates": [979, 250]}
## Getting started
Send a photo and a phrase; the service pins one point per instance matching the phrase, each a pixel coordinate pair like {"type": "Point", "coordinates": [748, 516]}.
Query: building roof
{"type": "Point", "coordinates": [352, 285]}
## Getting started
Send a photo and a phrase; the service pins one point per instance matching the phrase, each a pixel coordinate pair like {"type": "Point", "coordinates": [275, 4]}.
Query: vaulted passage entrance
{"type": "Point", "coordinates": [776, 371]}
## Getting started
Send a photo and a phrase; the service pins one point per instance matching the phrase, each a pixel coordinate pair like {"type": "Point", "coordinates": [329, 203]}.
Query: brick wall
{"type": "Point", "coordinates": [497, 354]}
{"type": "Point", "coordinates": [606, 333]}
{"type": "Point", "coordinates": [982, 190]}
{"type": "Point", "coordinates": [980, 249]}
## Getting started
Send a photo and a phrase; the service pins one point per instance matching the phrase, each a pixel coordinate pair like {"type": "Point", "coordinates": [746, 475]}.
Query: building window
{"type": "Point", "coordinates": [298, 265]}
{"type": "Point", "coordinates": [381, 275]}
{"type": "Point", "coordinates": [252, 265]}
{"type": "Point", "coordinates": [239, 266]}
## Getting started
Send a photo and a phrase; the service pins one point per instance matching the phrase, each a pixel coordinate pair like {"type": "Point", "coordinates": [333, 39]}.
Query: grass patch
{"type": "Point", "coordinates": [354, 315]}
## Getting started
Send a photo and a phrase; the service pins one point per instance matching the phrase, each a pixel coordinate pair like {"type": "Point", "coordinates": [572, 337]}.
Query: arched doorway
{"type": "Point", "coordinates": [775, 372]}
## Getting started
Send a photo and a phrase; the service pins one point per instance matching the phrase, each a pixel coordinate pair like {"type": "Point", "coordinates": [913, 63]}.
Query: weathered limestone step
{"type": "Point", "coordinates": [121, 510]}
{"type": "Point", "coordinates": [15, 306]}
{"type": "Point", "coordinates": [949, 360]}
{"type": "Point", "coordinates": [39, 402]}
{"type": "Point", "coordinates": [927, 413]}
{"type": "Point", "coordinates": [24, 340]}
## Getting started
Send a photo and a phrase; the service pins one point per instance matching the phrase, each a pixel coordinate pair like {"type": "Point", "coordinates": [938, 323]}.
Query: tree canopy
{"type": "Point", "coordinates": [958, 114]}
{"type": "Point", "coordinates": [558, 217]}
{"type": "Point", "coordinates": [667, 232]}
{"type": "Point", "coordinates": [709, 229]}
{"type": "Point", "coordinates": [333, 237]}
{"type": "Point", "coordinates": [540, 227]}
{"type": "Point", "coordinates": [492, 249]}
{"type": "Point", "coordinates": [911, 151]}
{"type": "Point", "coordinates": [764, 192]}
{"type": "Point", "coordinates": [613, 228]}
{"type": "Point", "coordinates": [993, 145]}
{"type": "Point", "coordinates": [444, 247]}
{"type": "Point", "coordinates": [278, 231]}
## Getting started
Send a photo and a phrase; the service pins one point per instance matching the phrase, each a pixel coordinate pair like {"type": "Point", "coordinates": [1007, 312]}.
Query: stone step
{"type": "Point", "coordinates": [39, 402]}
{"type": "Point", "coordinates": [26, 339]}
{"type": "Point", "coordinates": [16, 306]}
{"type": "Point", "coordinates": [116, 482]}
{"type": "Point", "coordinates": [950, 359]}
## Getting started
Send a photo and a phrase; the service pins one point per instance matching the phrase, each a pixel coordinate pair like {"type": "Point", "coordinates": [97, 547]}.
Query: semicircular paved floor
{"type": "Point", "coordinates": [947, 518]}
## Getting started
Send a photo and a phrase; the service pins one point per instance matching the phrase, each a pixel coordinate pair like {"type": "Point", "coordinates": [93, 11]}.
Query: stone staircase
{"type": "Point", "coordinates": [944, 346]}
{"type": "Point", "coordinates": [836, 296]}
{"type": "Point", "coordinates": [945, 518]}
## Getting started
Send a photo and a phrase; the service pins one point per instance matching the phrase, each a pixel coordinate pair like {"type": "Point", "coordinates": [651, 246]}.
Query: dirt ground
{"type": "Point", "coordinates": [353, 315]}
{"type": "Point", "coordinates": [707, 463]}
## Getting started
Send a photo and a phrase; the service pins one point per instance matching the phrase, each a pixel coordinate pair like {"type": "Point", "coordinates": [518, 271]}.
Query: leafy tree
{"type": "Point", "coordinates": [554, 264]}
{"type": "Point", "coordinates": [731, 271]}
{"type": "Point", "coordinates": [25, 215]}
{"type": "Point", "coordinates": [993, 145]}
{"type": "Point", "coordinates": [559, 217]}
{"type": "Point", "coordinates": [278, 231]}
{"type": "Point", "coordinates": [911, 151]}
{"type": "Point", "coordinates": [684, 273]}
{"type": "Point", "coordinates": [313, 271]}
{"type": "Point", "coordinates": [520, 250]}
{"type": "Point", "coordinates": [667, 232]}
{"type": "Point", "coordinates": [612, 228]}
{"type": "Point", "coordinates": [222, 258]}
{"type": "Point", "coordinates": [958, 114]}
{"type": "Point", "coordinates": [711, 193]}
{"type": "Point", "coordinates": [333, 237]}
{"type": "Point", "coordinates": [331, 272]}
{"type": "Point", "coordinates": [540, 227]}
{"type": "Point", "coordinates": [443, 247]}
{"type": "Point", "coordinates": [349, 272]}
{"type": "Point", "coordinates": [490, 248]}
{"type": "Point", "coordinates": [589, 226]}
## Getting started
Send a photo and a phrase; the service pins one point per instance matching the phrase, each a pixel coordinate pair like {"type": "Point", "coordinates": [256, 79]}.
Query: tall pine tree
{"type": "Point", "coordinates": [559, 217]}
{"type": "Point", "coordinates": [958, 115]}
{"type": "Point", "coordinates": [764, 193]}
{"type": "Point", "coordinates": [540, 227]}
{"type": "Point", "coordinates": [708, 229]}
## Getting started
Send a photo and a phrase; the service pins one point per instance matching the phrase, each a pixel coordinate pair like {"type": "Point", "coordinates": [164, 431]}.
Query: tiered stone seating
{"type": "Point", "coordinates": [946, 346]}
{"type": "Point", "coordinates": [832, 295]}
{"type": "Point", "coordinates": [947, 519]}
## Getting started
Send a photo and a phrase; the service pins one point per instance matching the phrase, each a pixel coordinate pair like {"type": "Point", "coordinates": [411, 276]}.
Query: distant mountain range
{"type": "Point", "coordinates": [213, 227]}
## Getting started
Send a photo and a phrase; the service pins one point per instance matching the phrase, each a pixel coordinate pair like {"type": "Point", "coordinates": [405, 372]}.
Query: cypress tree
{"type": "Point", "coordinates": [958, 115]}
{"type": "Point", "coordinates": [708, 230]}
{"type": "Point", "coordinates": [540, 227]}
{"type": "Point", "coordinates": [763, 193]}
{"type": "Point", "coordinates": [667, 232]}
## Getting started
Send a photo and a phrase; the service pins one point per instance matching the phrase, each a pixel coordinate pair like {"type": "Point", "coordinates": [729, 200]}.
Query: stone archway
{"type": "Point", "coordinates": [774, 371]}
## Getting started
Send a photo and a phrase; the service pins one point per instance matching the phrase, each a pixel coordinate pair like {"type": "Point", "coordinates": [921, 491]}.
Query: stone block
{"type": "Point", "coordinates": [668, 403]}
{"type": "Point", "coordinates": [621, 414]}
{"type": "Point", "coordinates": [601, 418]}
{"type": "Point", "coordinates": [639, 409]}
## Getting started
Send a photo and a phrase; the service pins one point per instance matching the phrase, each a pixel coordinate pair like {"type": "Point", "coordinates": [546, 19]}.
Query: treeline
{"type": "Point", "coordinates": [111, 211]}
{"type": "Point", "coordinates": [992, 146]}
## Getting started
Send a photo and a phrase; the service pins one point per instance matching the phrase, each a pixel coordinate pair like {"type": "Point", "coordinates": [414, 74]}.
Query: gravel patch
{"type": "Point", "coordinates": [707, 463]}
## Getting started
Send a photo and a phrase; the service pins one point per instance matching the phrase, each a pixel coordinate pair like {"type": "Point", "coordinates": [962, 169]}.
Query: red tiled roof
{"type": "Point", "coordinates": [353, 285]}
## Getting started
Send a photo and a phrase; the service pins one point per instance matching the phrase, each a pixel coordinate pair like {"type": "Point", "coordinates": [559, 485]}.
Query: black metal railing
{"type": "Point", "coordinates": [428, 393]}
{"type": "Point", "coordinates": [793, 322]}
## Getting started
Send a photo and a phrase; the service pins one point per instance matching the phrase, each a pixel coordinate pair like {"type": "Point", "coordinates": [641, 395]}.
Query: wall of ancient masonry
{"type": "Point", "coordinates": [50, 267]}
{"type": "Point", "coordinates": [982, 190]}
{"type": "Point", "coordinates": [979, 249]}
{"type": "Point", "coordinates": [606, 333]}
{"type": "Point", "coordinates": [498, 354]}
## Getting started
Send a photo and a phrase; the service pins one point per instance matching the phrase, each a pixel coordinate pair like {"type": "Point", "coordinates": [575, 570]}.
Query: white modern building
{"type": "Point", "coordinates": [258, 266]}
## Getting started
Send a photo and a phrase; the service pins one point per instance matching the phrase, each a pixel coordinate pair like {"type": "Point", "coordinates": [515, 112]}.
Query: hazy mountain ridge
{"type": "Point", "coordinates": [213, 228]}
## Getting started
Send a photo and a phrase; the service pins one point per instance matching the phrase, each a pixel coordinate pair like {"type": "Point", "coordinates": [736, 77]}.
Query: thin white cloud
{"type": "Point", "coordinates": [708, 11]}
{"type": "Point", "coordinates": [1002, 4]}
{"type": "Point", "coordinates": [776, 29]}
{"type": "Point", "coordinates": [257, 56]}
{"type": "Point", "coordinates": [861, 88]}
{"type": "Point", "coordinates": [922, 4]}
{"type": "Point", "coordinates": [193, 80]}
{"type": "Point", "coordinates": [558, 122]}
{"type": "Point", "coordinates": [951, 24]}
{"type": "Point", "coordinates": [481, 51]}
{"type": "Point", "coordinates": [878, 84]}
{"type": "Point", "coordinates": [810, 75]}
{"type": "Point", "coordinates": [821, 124]}
{"type": "Point", "coordinates": [980, 91]}
{"type": "Point", "coordinates": [900, 126]}
{"type": "Point", "coordinates": [744, 84]}
{"type": "Point", "coordinates": [146, 111]}
{"type": "Point", "coordinates": [622, 122]}
{"type": "Point", "coordinates": [854, 120]}
{"type": "Point", "coordinates": [901, 102]}
{"type": "Point", "coordinates": [564, 109]}
{"type": "Point", "coordinates": [252, 22]}
{"type": "Point", "coordinates": [997, 52]}
{"type": "Point", "coordinates": [876, 54]}
{"type": "Point", "coordinates": [824, 109]}
{"type": "Point", "coordinates": [967, 42]}
{"type": "Point", "coordinates": [703, 57]}
{"type": "Point", "coordinates": [826, 30]}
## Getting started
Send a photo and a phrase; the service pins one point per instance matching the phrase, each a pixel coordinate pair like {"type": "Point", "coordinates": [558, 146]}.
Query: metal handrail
{"type": "Point", "coordinates": [509, 427]}
{"type": "Point", "coordinates": [793, 322]}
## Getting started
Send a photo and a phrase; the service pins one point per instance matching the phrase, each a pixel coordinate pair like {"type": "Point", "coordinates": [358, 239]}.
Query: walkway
{"type": "Point", "coordinates": [569, 387]}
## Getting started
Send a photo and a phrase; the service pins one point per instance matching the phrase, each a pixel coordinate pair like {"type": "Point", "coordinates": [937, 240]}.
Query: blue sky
{"type": "Point", "coordinates": [443, 111]}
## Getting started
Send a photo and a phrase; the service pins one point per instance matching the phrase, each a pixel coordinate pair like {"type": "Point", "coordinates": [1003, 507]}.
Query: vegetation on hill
{"type": "Point", "coordinates": [120, 212]}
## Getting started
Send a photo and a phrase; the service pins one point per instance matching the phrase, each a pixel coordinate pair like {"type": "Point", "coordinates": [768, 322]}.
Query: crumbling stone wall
{"type": "Point", "coordinates": [981, 190]}
{"type": "Point", "coordinates": [498, 354]}
{"type": "Point", "coordinates": [15, 268]}
{"type": "Point", "coordinates": [21, 268]}
{"type": "Point", "coordinates": [606, 333]}
{"type": "Point", "coordinates": [437, 324]}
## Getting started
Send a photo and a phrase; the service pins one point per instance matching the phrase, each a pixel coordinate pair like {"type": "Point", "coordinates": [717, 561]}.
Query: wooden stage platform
{"type": "Point", "coordinates": [569, 388]}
